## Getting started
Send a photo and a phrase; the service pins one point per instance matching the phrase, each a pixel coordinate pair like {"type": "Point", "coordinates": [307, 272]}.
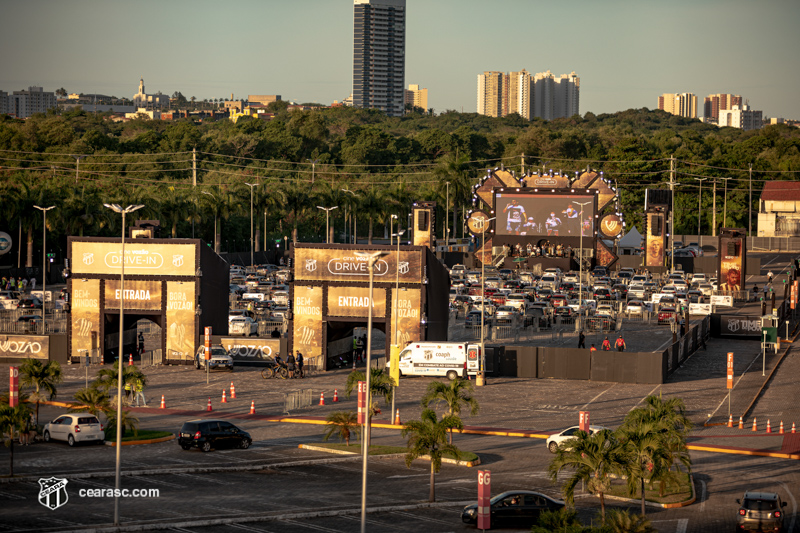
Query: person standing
{"type": "Point", "coordinates": [127, 392]}
{"type": "Point", "coordinates": [290, 364]}
{"type": "Point", "coordinates": [620, 344]}
{"type": "Point", "coordinates": [299, 360]}
{"type": "Point", "coordinates": [593, 349]}
{"type": "Point", "coordinates": [141, 344]}
{"type": "Point", "coordinates": [606, 346]}
{"type": "Point", "coordinates": [581, 340]}
{"type": "Point", "coordinates": [140, 393]}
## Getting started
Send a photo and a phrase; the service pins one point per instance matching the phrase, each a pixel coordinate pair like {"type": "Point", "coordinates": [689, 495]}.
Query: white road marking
{"type": "Point", "coordinates": [596, 397]}
{"type": "Point", "coordinates": [756, 358]}
{"type": "Point", "coordinates": [205, 479]}
{"type": "Point", "coordinates": [424, 518]}
{"type": "Point", "coordinates": [311, 526]}
{"type": "Point", "coordinates": [248, 528]}
{"type": "Point", "coordinates": [643, 399]}
{"type": "Point", "coordinates": [683, 523]}
{"type": "Point", "coordinates": [408, 475]}
{"type": "Point", "coordinates": [794, 507]}
{"type": "Point", "coordinates": [702, 496]}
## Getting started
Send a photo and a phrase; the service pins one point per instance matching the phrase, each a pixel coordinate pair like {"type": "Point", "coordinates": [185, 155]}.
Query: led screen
{"type": "Point", "coordinates": [544, 214]}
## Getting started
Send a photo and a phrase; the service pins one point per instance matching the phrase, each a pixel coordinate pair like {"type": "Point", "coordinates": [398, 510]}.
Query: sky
{"type": "Point", "coordinates": [626, 52]}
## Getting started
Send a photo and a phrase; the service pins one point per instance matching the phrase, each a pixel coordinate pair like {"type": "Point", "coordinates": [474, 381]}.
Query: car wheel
{"type": "Point", "coordinates": [245, 444]}
{"type": "Point", "coordinates": [186, 446]}
{"type": "Point", "coordinates": [553, 447]}
{"type": "Point", "coordinates": [47, 436]}
{"type": "Point", "coordinates": [231, 368]}
{"type": "Point", "coordinates": [71, 440]}
{"type": "Point", "coordinates": [452, 375]}
{"type": "Point", "coordinates": [206, 446]}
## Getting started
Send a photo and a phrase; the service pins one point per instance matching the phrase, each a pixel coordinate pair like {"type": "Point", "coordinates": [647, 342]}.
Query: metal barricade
{"type": "Point", "coordinates": [266, 327]}
{"type": "Point", "coordinates": [297, 400]}
{"type": "Point", "coordinates": [152, 358]}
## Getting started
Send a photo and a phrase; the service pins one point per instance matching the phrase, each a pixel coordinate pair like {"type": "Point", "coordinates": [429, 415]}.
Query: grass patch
{"type": "Point", "coordinates": [382, 450]}
{"type": "Point", "coordinates": [144, 434]}
{"type": "Point", "coordinates": [672, 493]}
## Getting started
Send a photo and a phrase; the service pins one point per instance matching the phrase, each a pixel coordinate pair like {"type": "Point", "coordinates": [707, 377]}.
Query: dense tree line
{"type": "Point", "coordinates": [303, 159]}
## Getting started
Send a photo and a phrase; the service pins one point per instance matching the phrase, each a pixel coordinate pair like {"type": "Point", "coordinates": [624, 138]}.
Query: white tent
{"type": "Point", "coordinates": [630, 242]}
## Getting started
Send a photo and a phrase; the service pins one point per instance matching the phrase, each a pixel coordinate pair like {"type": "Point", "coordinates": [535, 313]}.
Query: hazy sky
{"type": "Point", "coordinates": [626, 52]}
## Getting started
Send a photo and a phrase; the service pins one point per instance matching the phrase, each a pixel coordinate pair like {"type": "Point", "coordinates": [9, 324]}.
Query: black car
{"type": "Point", "coordinates": [29, 303]}
{"type": "Point", "coordinates": [207, 434]}
{"type": "Point", "coordinates": [516, 507]}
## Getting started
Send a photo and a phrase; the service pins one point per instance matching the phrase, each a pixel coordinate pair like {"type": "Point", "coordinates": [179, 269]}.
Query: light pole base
{"type": "Point", "coordinates": [480, 379]}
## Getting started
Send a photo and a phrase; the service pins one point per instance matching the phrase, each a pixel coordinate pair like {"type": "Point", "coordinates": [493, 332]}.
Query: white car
{"type": "Point", "coordinates": [242, 325]}
{"type": "Point", "coordinates": [74, 428]}
{"type": "Point", "coordinates": [605, 311]}
{"type": "Point", "coordinates": [554, 441]}
{"type": "Point", "coordinates": [634, 307]}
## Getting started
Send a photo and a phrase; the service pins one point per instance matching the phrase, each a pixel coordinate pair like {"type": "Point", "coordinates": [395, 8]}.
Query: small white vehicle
{"type": "Point", "coordinates": [74, 428]}
{"type": "Point", "coordinates": [448, 359]}
{"type": "Point", "coordinates": [554, 441]}
{"type": "Point", "coordinates": [242, 326]}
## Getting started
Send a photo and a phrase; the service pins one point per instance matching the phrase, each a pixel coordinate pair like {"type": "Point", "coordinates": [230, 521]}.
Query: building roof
{"type": "Point", "coordinates": [787, 191]}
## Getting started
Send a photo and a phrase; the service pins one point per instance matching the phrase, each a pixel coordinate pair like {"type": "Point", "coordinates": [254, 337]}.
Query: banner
{"type": "Point", "coordinates": [139, 295]}
{"type": "Point", "coordinates": [24, 347]}
{"type": "Point", "coordinates": [85, 317]}
{"type": "Point", "coordinates": [407, 308]}
{"type": "Point", "coordinates": [354, 301]}
{"type": "Point", "coordinates": [307, 323]}
{"type": "Point", "coordinates": [740, 326]}
{"type": "Point", "coordinates": [243, 349]}
{"type": "Point", "coordinates": [654, 244]}
{"type": "Point", "coordinates": [180, 319]}
{"type": "Point", "coordinates": [722, 301]}
{"type": "Point", "coordinates": [701, 309]}
{"type": "Point", "coordinates": [731, 263]}
{"type": "Point", "coordinates": [141, 258]}
{"type": "Point", "coordinates": [335, 264]}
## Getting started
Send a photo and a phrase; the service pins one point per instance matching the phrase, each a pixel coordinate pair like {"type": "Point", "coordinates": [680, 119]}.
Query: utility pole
{"type": "Point", "coordinates": [714, 212]}
{"type": "Point", "coordinates": [522, 165]}
{"type": "Point", "coordinates": [725, 205]}
{"type": "Point", "coordinates": [672, 213]}
{"type": "Point", "coordinates": [194, 167]}
{"type": "Point", "coordinates": [750, 206]}
{"type": "Point", "coordinates": [699, 208]}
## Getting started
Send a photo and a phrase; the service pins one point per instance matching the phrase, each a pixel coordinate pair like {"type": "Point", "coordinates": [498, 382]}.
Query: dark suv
{"type": "Point", "coordinates": [207, 434]}
{"type": "Point", "coordinates": [760, 511]}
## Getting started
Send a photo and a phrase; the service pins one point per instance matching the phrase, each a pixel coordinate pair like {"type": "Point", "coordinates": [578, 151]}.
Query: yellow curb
{"type": "Point", "coordinates": [146, 441]}
{"type": "Point", "coordinates": [58, 404]}
{"type": "Point", "coordinates": [302, 421]}
{"type": "Point", "coordinates": [742, 452]}
{"type": "Point", "coordinates": [447, 460]}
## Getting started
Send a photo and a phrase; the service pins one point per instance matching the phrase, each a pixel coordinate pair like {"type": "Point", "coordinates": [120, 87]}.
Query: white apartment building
{"type": "Point", "coordinates": [741, 117]}
{"type": "Point", "coordinates": [542, 95]}
{"type": "Point", "coordinates": [23, 104]}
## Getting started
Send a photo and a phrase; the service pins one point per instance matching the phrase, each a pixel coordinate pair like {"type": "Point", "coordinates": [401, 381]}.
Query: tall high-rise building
{"type": "Point", "coordinates": [567, 95]}
{"type": "Point", "coordinates": [714, 103]}
{"type": "Point", "coordinates": [379, 43]}
{"type": "Point", "coordinates": [683, 104]}
{"type": "Point", "coordinates": [492, 89]}
{"type": "Point", "coordinates": [417, 97]}
{"type": "Point", "coordinates": [519, 93]}
{"type": "Point", "coordinates": [23, 104]}
{"type": "Point", "coordinates": [544, 95]}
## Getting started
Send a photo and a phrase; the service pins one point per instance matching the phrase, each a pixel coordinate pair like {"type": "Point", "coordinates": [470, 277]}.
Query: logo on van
{"type": "Point", "coordinates": [428, 355]}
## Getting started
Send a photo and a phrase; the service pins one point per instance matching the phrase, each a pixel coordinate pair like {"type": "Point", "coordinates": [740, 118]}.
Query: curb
{"type": "Point", "coordinates": [742, 451]}
{"type": "Point", "coordinates": [690, 501]}
{"type": "Point", "coordinates": [113, 443]}
{"type": "Point", "coordinates": [447, 460]}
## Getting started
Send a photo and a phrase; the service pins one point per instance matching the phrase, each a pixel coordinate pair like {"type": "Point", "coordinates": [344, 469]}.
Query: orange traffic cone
{"type": "Point", "coordinates": [780, 431]}
{"type": "Point", "coordinates": [335, 395]}
{"type": "Point", "coordinates": [769, 428]}
{"type": "Point", "coordinates": [209, 405]}
{"type": "Point", "coordinates": [233, 391]}
{"type": "Point", "coordinates": [163, 403]}
{"type": "Point", "coordinates": [253, 407]}
{"type": "Point", "coordinates": [755, 425]}
{"type": "Point", "coordinates": [793, 428]}
{"type": "Point", "coordinates": [224, 399]}
{"type": "Point", "coordinates": [397, 418]}
{"type": "Point", "coordinates": [741, 423]}
{"type": "Point", "coordinates": [130, 360]}
{"type": "Point", "coordinates": [730, 421]}
{"type": "Point", "coordinates": [354, 363]}
{"type": "Point", "coordinates": [322, 398]}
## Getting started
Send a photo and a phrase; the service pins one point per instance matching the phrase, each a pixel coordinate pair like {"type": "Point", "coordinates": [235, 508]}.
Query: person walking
{"type": "Point", "coordinates": [769, 277]}
{"type": "Point", "coordinates": [290, 364]}
{"type": "Point", "coordinates": [140, 393]}
{"type": "Point", "coordinates": [606, 346]}
{"type": "Point", "coordinates": [581, 340]}
{"type": "Point", "coordinates": [33, 284]}
{"type": "Point", "coordinates": [299, 359]}
{"type": "Point", "coordinates": [620, 344]}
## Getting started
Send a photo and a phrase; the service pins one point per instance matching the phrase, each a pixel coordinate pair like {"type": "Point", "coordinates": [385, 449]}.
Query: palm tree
{"type": "Point", "coordinates": [43, 377]}
{"type": "Point", "coordinates": [647, 456]}
{"type": "Point", "coordinates": [92, 400]}
{"type": "Point", "coordinates": [428, 436]}
{"type": "Point", "coordinates": [297, 203]}
{"type": "Point", "coordinates": [454, 168]}
{"type": "Point", "coordinates": [12, 421]}
{"type": "Point", "coordinates": [373, 204]}
{"type": "Point", "coordinates": [107, 377]}
{"type": "Point", "coordinates": [380, 383]}
{"type": "Point", "coordinates": [454, 395]}
{"type": "Point", "coordinates": [129, 421]}
{"type": "Point", "coordinates": [622, 521]}
{"type": "Point", "coordinates": [591, 459]}
{"type": "Point", "coordinates": [343, 423]}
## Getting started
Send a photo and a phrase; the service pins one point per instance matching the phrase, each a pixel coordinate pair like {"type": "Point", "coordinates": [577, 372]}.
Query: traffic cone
{"type": "Point", "coordinates": [253, 407]}
{"type": "Point", "coordinates": [335, 395]}
{"type": "Point", "coordinates": [755, 425]}
{"type": "Point", "coordinates": [730, 421]}
{"type": "Point", "coordinates": [233, 391]}
{"type": "Point", "coordinates": [397, 418]}
{"type": "Point", "coordinates": [130, 359]}
{"type": "Point", "coordinates": [163, 403]}
{"type": "Point", "coordinates": [741, 423]}
{"type": "Point", "coordinates": [322, 398]}
{"type": "Point", "coordinates": [793, 428]}
{"type": "Point", "coordinates": [224, 399]}
{"type": "Point", "coordinates": [209, 405]}
{"type": "Point", "coordinates": [354, 363]}
{"type": "Point", "coordinates": [769, 428]}
{"type": "Point", "coordinates": [780, 431]}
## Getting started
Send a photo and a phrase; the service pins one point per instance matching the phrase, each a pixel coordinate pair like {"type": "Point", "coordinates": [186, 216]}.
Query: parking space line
{"type": "Point", "coordinates": [648, 394]}
{"type": "Point", "coordinates": [311, 526]}
{"type": "Point", "coordinates": [248, 528]}
{"type": "Point", "coordinates": [371, 521]}
{"type": "Point", "coordinates": [423, 518]}
{"type": "Point", "coordinates": [596, 397]}
{"type": "Point", "coordinates": [11, 496]}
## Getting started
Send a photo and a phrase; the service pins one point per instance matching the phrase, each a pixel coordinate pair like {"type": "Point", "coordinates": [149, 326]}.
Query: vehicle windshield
{"type": "Point", "coordinates": [760, 505]}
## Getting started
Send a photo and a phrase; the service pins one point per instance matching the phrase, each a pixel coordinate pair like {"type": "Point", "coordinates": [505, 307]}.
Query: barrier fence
{"type": "Point", "coordinates": [297, 400]}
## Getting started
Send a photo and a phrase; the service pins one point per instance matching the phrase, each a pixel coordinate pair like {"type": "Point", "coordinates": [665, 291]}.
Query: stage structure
{"type": "Point", "coordinates": [546, 221]}
{"type": "Point", "coordinates": [330, 297]}
{"type": "Point", "coordinates": [179, 284]}
{"type": "Point", "coordinates": [658, 209]}
{"type": "Point", "coordinates": [732, 259]}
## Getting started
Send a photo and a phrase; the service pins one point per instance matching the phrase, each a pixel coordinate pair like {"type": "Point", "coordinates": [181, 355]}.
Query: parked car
{"type": "Point", "coordinates": [554, 441]}
{"type": "Point", "coordinates": [537, 313]}
{"type": "Point", "coordinates": [474, 318]}
{"type": "Point", "coordinates": [75, 428]}
{"type": "Point", "coordinates": [220, 358]}
{"type": "Point", "coordinates": [208, 434]}
{"type": "Point", "coordinates": [243, 325]}
{"type": "Point", "coordinates": [506, 313]}
{"type": "Point", "coordinates": [29, 302]}
{"type": "Point", "coordinates": [514, 508]}
{"type": "Point", "coordinates": [634, 307]}
{"type": "Point", "coordinates": [760, 511]}
{"type": "Point", "coordinates": [666, 314]}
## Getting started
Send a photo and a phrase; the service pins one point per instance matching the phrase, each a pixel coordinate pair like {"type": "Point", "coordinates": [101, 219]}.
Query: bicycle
{"type": "Point", "coordinates": [275, 372]}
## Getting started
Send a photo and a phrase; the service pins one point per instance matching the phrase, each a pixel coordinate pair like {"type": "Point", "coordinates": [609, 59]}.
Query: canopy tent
{"type": "Point", "coordinates": [630, 242]}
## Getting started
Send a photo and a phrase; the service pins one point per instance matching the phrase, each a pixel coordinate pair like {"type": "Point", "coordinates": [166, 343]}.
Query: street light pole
{"type": "Point", "coordinates": [327, 227]}
{"type": "Point", "coordinates": [580, 264]}
{"type": "Point", "coordinates": [313, 168]}
{"type": "Point", "coordinates": [77, 165]}
{"type": "Point", "coordinates": [251, 185]}
{"type": "Point", "coordinates": [447, 216]}
{"type": "Point", "coordinates": [699, 207]}
{"type": "Point", "coordinates": [371, 258]}
{"type": "Point", "coordinates": [481, 375]}
{"type": "Point", "coordinates": [396, 310]}
{"type": "Point", "coordinates": [118, 209]}
{"type": "Point", "coordinates": [725, 204]}
{"type": "Point", "coordinates": [44, 211]}
{"type": "Point", "coordinates": [391, 228]}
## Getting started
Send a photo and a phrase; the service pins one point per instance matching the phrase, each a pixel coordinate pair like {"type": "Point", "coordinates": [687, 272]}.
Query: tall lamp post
{"type": "Point", "coordinates": [480, 381]}
{"type": "Point", "coordinates": [313, 168]}
{"type": "Point", "coordinates": [216, 241]}
{"type": "Point", "coordinates": [327, 217]}
{"type": "Point", "coordinates": [396, 310]}
{"type": "Point", "coordinates": [123, 211]}
{"type": "Point", "coordinates": [251, 185]}
{"type": "Point", "coordinates": [447, 216]}
{"type": "Point", "coordinates": [44, 211]}
{"type": "Point", "coordinates": [371, 258]}
{"type": "Point", "coordinates": [580, 262]}
{"type": "Point", "coordinates": [355, 219]}
{"type": "Point", "coordinates": [725, 204]}
{"type": "Point", "coordinates": [391, 228]}
{"type": "Point", "coordinates": [699, 207]}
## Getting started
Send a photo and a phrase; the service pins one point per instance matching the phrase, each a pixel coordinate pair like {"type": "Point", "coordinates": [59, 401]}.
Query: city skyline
{"type": "Point", "coordinates": [626, 53]}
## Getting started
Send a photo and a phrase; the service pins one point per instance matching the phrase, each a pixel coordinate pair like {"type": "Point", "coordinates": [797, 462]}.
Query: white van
{"type": "Point", "coordinates": [451, 359]}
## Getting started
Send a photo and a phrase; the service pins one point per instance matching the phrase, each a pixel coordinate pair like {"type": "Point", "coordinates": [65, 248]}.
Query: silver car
{"type": "Point", "coordinates": [220, 358]}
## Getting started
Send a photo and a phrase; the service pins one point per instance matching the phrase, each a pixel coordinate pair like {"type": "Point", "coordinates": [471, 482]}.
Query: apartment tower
{"type": "Point", "coordinates": [416, 97]}
{"type": "Point", "coordinates": [492, 91]}
{"type": "Point", "coordinates": [379, 42]}
{"type": "Point", "coordinates": [683, 104]}
{"type": "Point", "coordinates": [542, 95]}
{"type": "Point", "coordinates": [714, 103]}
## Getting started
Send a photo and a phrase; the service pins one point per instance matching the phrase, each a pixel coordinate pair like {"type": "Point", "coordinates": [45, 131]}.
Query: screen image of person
{"type": "Point", "coordinates": [553, 223]}
{"type": "Point", "coordinates": [515, 217]}
{"type": "Point", "coordinates": [572, 222]}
